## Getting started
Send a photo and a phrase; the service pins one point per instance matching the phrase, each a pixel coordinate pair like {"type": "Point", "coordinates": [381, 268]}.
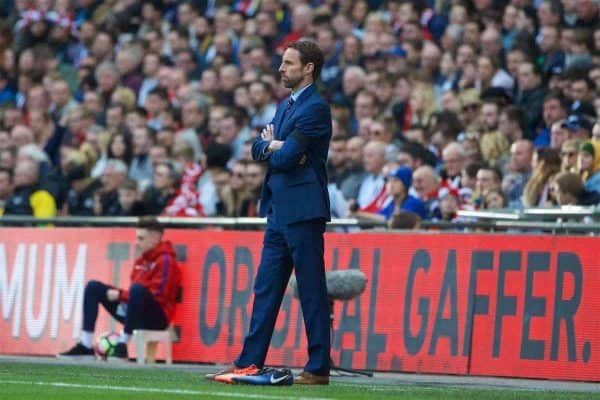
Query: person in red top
{"type": "Point", "coordinates": [150, 301]}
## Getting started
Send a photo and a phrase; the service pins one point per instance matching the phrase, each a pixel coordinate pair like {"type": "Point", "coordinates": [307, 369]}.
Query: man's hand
{"type": "Point", "coordinates": [268, 133]}
{"type": "Point", "coordinates": [112, 294]}
{"type": "Point", "coordinates": [275, 145]}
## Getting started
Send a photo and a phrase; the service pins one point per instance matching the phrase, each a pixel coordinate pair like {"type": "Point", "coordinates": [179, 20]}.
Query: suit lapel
{"type": "Point", "coordinates": [286, 116]}
{"type": "Point", "coordinates": [279, 118]}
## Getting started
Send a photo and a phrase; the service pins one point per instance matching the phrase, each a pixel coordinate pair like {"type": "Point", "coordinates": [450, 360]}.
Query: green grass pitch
{"type": "Point", "coordinates": [24, 381]}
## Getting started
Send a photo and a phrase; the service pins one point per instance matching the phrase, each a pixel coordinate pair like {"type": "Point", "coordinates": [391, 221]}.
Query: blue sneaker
{"type": "Point", "coordinates": [267, 376]}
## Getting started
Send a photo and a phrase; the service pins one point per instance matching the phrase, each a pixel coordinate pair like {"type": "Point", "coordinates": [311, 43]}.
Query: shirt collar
{"type": "Point", "coordinates": [297, 93]}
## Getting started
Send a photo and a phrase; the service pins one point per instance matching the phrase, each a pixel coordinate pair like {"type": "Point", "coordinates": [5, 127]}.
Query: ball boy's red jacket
{"type": "Point", "coordinates": [158, 272]}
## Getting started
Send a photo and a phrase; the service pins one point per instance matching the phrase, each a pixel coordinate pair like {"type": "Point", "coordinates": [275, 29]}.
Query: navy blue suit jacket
{"type": "Point", "coordinates": [297, 191]}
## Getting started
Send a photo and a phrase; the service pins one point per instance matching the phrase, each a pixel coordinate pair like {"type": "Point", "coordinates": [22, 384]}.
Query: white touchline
{"type": "Point", "coordinates": [157, 390]}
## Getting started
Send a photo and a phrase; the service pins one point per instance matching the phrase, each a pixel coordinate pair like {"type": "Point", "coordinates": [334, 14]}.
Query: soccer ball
{"type": "Point", "coordinates": [106, 344]}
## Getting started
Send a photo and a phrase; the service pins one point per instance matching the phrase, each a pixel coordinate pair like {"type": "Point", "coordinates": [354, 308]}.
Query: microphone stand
{"type": "Point", "coordinates": [350, 372]}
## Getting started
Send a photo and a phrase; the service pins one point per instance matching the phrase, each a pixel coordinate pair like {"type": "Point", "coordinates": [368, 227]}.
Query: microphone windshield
{"type": "Point", "coordinates": [341, 284]}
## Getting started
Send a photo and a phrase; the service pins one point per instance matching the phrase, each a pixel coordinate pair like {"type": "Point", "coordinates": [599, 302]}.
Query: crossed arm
{"type": "Point", "coordinates": [286, 155]}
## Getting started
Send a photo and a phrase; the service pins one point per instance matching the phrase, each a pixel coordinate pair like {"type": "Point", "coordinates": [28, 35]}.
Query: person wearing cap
{"type": "Point", "coordinates": [398, 182]}
{"type": "Point", "coordinates": [589, 165]}
{"type": "Point", "coordinates": [580, 127]}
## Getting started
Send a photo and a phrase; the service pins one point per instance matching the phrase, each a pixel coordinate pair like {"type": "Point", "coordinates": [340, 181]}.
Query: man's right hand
{"type": "Point", "coordinates": [112, 294]}
{"type": "Point", "coordinates": [275, 145]}
{"type": "Point", "coordinates": [268, 133]}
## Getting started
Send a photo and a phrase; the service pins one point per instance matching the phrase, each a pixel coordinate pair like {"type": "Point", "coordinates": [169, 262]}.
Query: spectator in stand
{"type": "Point", "coordinates": [233, 195]}
{"type": "Point", "coordinates": [129, 205]}
{"type": "Point", "coordinates": [425, 185]}
{"type": "Point", "coordinates": [263, 106]}
{"type": "Point", "coordinates": [6, 179]}
{"type": "Point", "coordinates": [579, 127]}
{"type": "Point", "coordinates": [530, 97]}
{"type": "Point", "coordinates": [454, 159]}
{"type": "Point", "coordinates": [163, 190]}
{"type": "Point", "coordinates": [372, 194]}
{"type": "Point", "coordinates": [140, 169]}
{"type": "Point", "coordinates": [254, 177]}
{"type": "Point", "coordinates": [494, 199]}
{"type": "Point", "coordinates": [448, 205]}
{"type": "Point", "coordinates": [488, 178]}
{"type": "Point", "coordinates": [404, 220]}
{"type": "Point", "coordinates": [82, 187]}
{"type": "Point", "coordinates": [546, 163]}
{"type": "Point", "coordinates": [28, 197]}
{"type": "Point", "coordinates": [149, 302]}
{"type": "Point", "coordinates": [398, 182]}
{"type": "Point", "coordinates": [589, 165]}
{"type": "Point", "coordinates": [119, 147]}
{"type": "Point", "coordinates": [569, 153]}
{"type": "Point", "coordinates": [569, 190]}
{"type": "Point", "coordinates": [350, 186]}
{"type": "Point", "coordinates": [494, 145]}
{"type": "Point", "coordinates": [554, 109]}
{"type": "Point", "coordinates": [518, 171]}
{"type": "Point", "coordinates": [106, 198]}
{"type": "Point", "coordinates": [510, 124]}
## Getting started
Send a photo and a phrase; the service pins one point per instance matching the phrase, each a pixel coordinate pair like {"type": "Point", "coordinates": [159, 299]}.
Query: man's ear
{"type": "Point", "coordinates": [309, 67]}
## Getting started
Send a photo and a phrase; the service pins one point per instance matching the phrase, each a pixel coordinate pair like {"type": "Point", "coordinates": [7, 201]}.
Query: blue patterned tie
{"type": "Point", "coordinates": [290, 103]}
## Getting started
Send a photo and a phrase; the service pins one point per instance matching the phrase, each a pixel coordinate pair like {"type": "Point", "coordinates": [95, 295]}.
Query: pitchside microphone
{"type": "Point", "coordinates": [341, 285]}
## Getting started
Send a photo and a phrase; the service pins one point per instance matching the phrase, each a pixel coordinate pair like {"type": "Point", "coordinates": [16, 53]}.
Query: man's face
{"type": "Point", "coordinates": [191, 115]}
{"type": "Point", "coordinates": [221, 179]}
{"type": "Point", "coordinates": [24, 174]}
{"type": "Point", "coordinates": [395, 187]}
{"type": "Point", "coordinates": [549, 38]}
{"type": "Point", "coordinates": [337, 153]}
{"type": "Point", "coordinates": [228, 130]}
{"type": "Point", "coordinates": [258, 95]}
{"type": "Point", "coordinates": [527, 78]}
{"type": "Point", "coordinates": [354, 151]}
{"type": "Point", "coordinates": [254, 177]}
{"type": "Point", "coordinates": [60, 93]}
{"type": "Point", "coordinates": [453, 163]}
{"type": "Point", "coordinates": [112, 179]}
{"type": "Point", "coordinates": [486, 180]}
{"type": "Point", "coordinates": [140, 141]}
{"type": "Point", "coordinates": [489, 116]}
{"type": "Point", "coordinates": [126, 198]}
{"type": "Point", "coordinates": [292, 71]}
{"type": "Point", "coordinates": [558, 135]}
{"type": "Point", "coordinates": [364, 107]}
{"type": "Point", "coordinates": [373, 159]}
{"type": "Point", "coordinates": [404, 159]}
{"type": "Point", "coordinates": [579, 90]}
{"type": "Point", "coordinates": [520, 156]}
{"type": "Point", "coordinates": [162, 177]}
{"type": "Point", "coordinates": [146, 240]}
{"type": "Point", "coordinates": [238, 173]}
{"type": "Point", "coordinates": [552, 111]}
{"type": "Point", "coordinates": [423, 182]}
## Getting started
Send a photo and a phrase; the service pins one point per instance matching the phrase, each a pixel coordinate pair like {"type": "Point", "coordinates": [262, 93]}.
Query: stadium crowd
{"type": "Point", "coordinates": [120, 107]}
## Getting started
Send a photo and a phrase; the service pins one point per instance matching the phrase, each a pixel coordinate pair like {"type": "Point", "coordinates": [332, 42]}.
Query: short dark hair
{"type": "Point", "coordinates": [309, 53]}
{"type": "Point", "coordinates": [404, 220]}
{"type": "Point", "coordinates": [514, 114]}
{"type": "Point", "coordinates": [150, 223]}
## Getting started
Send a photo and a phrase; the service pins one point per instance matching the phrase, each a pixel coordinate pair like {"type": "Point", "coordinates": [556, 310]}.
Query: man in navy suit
{"type": "Point", "coordinates": [295, 201]}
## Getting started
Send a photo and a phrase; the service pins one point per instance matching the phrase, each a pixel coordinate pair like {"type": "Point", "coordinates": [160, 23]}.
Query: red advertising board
{"type": "Point", "coordinates": [497, 305]}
